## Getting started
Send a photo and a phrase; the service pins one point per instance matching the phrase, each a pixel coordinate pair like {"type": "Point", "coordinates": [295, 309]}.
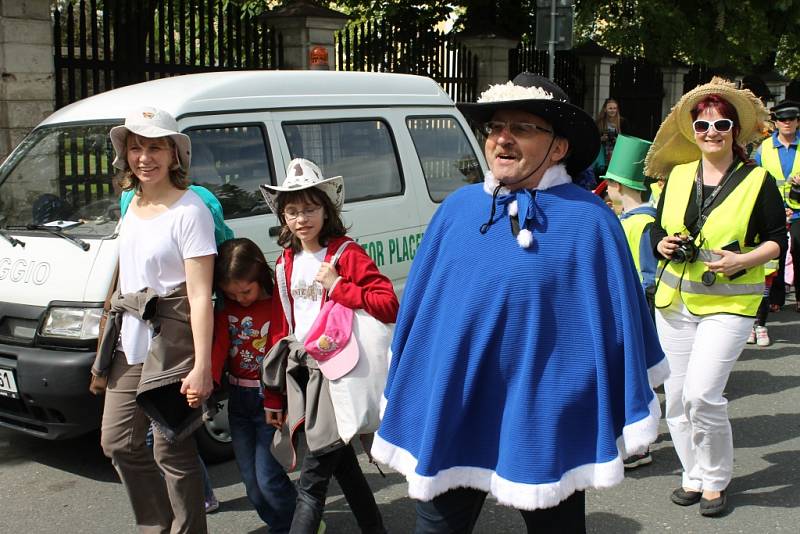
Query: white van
{"type": "Point", "coordinates": [398, 140]}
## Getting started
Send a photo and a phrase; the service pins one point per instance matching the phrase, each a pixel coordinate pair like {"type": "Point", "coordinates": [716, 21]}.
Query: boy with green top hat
{"type": "Point", "coordinates": [628, 189]}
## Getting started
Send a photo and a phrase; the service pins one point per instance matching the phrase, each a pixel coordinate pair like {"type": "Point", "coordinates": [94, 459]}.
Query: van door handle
{"type": "Point", "coordinates": [274, 231]}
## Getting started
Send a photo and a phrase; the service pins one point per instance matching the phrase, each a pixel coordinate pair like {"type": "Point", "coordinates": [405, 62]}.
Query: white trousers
{"type": "Point", "coordinates": [701, 352]}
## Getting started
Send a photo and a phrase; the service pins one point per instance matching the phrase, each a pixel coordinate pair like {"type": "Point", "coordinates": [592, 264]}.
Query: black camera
{"type": "Point", "coordinates": [686, 252]}
{"type": "Point", "coordinates": [611, 134]}
{"type": "Point", "coordinates": [794, 192]}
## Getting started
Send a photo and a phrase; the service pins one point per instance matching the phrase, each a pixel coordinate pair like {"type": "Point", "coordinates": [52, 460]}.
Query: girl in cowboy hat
{"type": "Point", "coordinates": [308, 207]}
{"type": "Point", "coordinates": [166, 244]}
{"type": "Point", "coordinates": [718, 221]}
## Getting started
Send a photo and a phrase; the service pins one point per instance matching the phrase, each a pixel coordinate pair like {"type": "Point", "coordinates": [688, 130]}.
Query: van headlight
{"type": "Point", "coordinates": [72, 323]}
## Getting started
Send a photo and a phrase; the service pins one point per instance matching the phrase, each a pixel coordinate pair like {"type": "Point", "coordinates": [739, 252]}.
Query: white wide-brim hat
{"type": "Point", "coordinates": [675, 144]}
{"type": "Point", "coordinates": [304, 174]}
{"type": "Point", "coordinates": [152, 123]}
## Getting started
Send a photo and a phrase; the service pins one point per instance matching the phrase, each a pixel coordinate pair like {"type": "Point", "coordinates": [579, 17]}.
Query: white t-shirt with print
{"type": "Point", "coordinates": [152, 253]}
{"type": "Point", "coordinates": [306, 292]}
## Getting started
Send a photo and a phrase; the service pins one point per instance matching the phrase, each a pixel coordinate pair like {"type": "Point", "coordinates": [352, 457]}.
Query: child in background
{"type": "Point", "coordinates": [628, 191]}
{"type": "Point", "coordinates": [308, 207]}
{"type": "Point", "coordinates": [242, 275]}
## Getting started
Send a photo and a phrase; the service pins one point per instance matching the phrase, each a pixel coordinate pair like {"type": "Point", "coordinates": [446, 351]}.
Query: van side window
{"type": "Point", "coordinates": [362, 151]}
{"type": "Point", "coordinates": [232, 162]}
{"type": "Point", "coordinates": [445, 153]}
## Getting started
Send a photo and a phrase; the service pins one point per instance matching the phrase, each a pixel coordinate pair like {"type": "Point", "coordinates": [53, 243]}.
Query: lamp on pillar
{"type": "Point", "coordinates": [318, 58]}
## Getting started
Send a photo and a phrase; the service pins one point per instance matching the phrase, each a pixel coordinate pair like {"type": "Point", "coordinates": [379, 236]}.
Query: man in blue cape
{"type": "Point", "coordinates": [524, 354]}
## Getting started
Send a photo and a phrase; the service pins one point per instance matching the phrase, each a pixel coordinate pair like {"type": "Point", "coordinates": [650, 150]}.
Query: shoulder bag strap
{"type": "Point", "coordinates": [283, 291]}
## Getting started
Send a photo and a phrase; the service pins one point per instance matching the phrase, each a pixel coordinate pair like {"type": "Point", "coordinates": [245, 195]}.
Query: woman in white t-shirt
{"type": "Point", "coordinates": [166, 240]}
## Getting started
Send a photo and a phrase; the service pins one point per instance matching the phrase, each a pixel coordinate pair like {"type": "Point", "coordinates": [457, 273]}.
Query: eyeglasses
{"type": "Point", "coordinates": [785, 119]}
{"type": "Point", "coordinates": [308, 213]}
{"type": "Point", "coordinates": [517, 129]}
{"type": "Point", "coordinates": [719, 125]}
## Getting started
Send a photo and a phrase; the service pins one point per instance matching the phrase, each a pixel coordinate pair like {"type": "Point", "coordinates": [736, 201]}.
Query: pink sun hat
{"type": "Point", "coordinates": [330, 341]}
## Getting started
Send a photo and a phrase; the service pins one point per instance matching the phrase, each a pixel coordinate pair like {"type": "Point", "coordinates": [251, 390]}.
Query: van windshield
{"type": "Point", "coordinates": [62, 173]}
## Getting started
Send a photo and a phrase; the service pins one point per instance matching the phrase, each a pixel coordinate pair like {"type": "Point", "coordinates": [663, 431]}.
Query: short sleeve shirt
{"type": "Point", "coordinates": [152, 255]}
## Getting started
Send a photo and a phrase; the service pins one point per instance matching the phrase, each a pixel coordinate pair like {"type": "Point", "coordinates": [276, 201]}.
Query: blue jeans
{"type": "Point", "coordinates": [268, 487]}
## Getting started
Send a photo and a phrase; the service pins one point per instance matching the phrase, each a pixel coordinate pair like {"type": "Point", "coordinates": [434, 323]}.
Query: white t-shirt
{"type": "Point", "coordinates": [306, 292]}
{"type": "Point", "coordinates": [152, 254]}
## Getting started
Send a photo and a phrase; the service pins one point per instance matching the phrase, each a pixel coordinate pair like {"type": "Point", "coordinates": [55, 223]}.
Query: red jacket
{"type": "Point", "coordinates": [362, 286]}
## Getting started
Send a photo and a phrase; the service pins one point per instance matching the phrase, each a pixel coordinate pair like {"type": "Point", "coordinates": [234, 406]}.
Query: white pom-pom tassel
{"type": "Point", "coordinates": [524, 238]}
{"type": "Point", "coordinates": [513, 209]}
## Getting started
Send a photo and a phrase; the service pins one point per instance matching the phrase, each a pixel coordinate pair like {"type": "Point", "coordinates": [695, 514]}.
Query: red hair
{"type": "Point", "coordinates": [728, 111]}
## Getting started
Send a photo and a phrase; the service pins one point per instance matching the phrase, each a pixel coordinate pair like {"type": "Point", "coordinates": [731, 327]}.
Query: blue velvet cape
{"type": "Point", "coordinates": [521, 372]}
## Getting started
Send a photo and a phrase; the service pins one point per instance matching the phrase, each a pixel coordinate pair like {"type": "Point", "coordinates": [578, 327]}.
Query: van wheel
{"type": "Point", "coordinates": [214, 437]}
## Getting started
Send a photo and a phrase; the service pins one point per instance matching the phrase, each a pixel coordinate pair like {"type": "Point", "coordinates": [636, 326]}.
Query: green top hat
{"type": "Point", "coordinates": [627, 162]}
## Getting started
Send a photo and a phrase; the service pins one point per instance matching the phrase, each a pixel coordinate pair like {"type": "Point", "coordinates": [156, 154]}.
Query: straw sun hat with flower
{"type": "Point", "coordinates": [674, 143]}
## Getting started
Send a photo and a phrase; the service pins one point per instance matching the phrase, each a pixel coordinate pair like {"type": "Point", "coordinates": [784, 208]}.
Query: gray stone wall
{"type": "Point", "coordinates": [26, 69]}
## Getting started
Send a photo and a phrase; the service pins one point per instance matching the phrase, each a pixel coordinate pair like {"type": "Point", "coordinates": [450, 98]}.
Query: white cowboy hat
{"type": "Point", "coordinates": [150, 122]}
{"type": "Point", "coordinates": [303, 174]}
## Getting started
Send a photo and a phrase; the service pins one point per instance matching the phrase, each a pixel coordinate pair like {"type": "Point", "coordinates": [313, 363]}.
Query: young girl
{"type": "Point", "coordinates": [242, 275]}
{"type": "Point", "coordinates": [308, 207]}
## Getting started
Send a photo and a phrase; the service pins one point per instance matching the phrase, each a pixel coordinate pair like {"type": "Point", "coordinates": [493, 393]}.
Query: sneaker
{"type": "Point", "coordinates": [751, 339]}
{"type": "Point", "coordinates": [632, 462]}
{"type": "Point", "coordinates": [212, 505]}
{"type": "Point", "coordinates": [762, 337]}
{"type": "Point", "coordinates": [714, 507]}
{"type": "Point", "coordinates": [684, 497]}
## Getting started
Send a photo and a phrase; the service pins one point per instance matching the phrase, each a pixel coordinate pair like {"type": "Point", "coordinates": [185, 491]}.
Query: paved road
{"type": "Point", "coordinates": [69, 487]}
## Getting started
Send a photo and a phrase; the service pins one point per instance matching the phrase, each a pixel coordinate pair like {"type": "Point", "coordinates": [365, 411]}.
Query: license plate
{"type": "Point", "coordinates": [8, 387]}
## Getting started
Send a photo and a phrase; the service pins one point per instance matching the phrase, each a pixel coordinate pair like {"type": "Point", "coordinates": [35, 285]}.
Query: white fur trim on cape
{"type": "Point", "coordinates": [659, 373]}
{"type": "Point", "coordinates": [634, 440]}
{"type": "Point", "coordinates": [502, 92]}
{"type": "Point", "coordinates": [518, 495]}
{"type": "Point", "coordinates": [555, 175]}
{"type": "Point", "coordinates": [524, 238]}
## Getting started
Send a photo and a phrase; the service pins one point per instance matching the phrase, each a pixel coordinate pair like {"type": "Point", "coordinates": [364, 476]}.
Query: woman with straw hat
{"type": "Point", "coordinates": [718, 221]}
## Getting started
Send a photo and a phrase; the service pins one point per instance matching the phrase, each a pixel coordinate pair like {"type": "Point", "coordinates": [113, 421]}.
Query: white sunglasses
{"type": "Point", "coordinates": [719, 125]}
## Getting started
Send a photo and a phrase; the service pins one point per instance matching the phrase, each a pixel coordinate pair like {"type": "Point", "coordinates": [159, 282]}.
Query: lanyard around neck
{"type": "Point", "coordinates": [704, 204]}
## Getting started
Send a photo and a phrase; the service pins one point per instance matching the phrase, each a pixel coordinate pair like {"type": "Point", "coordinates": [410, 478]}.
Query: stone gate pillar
{"type": "Point", "coordinates": [673, 87]}
{"type": "Point", "coordinates": [27, 82]}
{"type": "Point", "coordinates": [303, 26]}
{"type": "Point", "coordinates": [597, 62]}
{"type": "Point", "coordinates": [492, 53]}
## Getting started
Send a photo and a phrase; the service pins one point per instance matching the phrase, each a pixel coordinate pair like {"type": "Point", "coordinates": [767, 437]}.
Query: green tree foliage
{"type": "Point", "coordinates": [739, 34]}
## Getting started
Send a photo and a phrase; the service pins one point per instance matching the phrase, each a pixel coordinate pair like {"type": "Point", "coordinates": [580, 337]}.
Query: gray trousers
{"type": "Point", "coordinates": [172, 503]}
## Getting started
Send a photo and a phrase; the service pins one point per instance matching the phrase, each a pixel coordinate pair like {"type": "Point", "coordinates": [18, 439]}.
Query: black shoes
{"type": "Point", "coordinates": [681, 497]}
{"type": "Point", "coordinates": [713, 507]}
{"type": "Point", "coordinates": [708, 507]}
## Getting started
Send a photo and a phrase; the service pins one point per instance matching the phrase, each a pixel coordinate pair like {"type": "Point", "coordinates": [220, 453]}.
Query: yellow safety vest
{"type": "Point", "coordinates": [725, 224]}
{"type": "Point", "coordinates": [633, 227]}
{"type": "Point", "coordinates": [655, 193]}
{"type": "Point", "coordinates": [771, 161]}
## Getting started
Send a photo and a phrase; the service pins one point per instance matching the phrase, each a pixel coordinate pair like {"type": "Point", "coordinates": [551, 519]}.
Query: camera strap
{"type": "Point", "coordinates": [706, 205]}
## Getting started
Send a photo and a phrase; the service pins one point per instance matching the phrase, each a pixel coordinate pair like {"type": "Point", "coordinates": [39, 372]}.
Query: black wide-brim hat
{"type": "Point", "coordinates": [541, 97]}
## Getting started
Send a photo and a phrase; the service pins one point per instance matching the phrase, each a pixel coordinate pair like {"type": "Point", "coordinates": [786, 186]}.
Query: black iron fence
{"type": "Point", "coordinates": [100, 47]}
{"type": "Point", "coordinates": [378, 46]}
{"type": "Point", "coordinates": [569, 73]}
{"type": "Point", "coordinates": [638, 86]}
